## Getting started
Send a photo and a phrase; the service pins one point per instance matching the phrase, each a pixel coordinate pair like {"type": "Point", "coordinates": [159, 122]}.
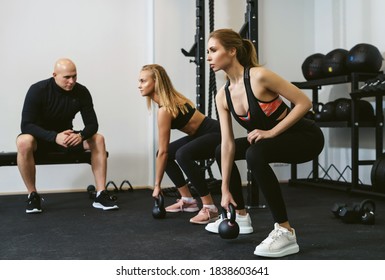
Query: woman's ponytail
{"type": "Point", "coordinates": [249, 57]}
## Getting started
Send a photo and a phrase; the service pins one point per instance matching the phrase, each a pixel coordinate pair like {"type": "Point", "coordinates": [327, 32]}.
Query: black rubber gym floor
{"type": "Point", "coordinates": [71, 229]}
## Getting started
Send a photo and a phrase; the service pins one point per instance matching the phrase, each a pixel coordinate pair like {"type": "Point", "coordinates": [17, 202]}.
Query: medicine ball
{"type": "Point", "coordinates": [312, 66]}
{"type": "Point", "coordinates": [364, 58]}
{"type": "Point", "coordinates": [343, 109]}
{"type": "Point", "coordinates": [366, 111]}
{"type": "Point", "coordinates": [335, 63]}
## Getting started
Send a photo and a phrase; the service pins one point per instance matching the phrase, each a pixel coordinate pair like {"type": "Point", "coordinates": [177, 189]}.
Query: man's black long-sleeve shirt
{"type": "Point", "coordinates": [48, 110]}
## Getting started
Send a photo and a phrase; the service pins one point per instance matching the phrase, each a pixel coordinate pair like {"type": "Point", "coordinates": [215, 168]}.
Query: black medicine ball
{"type": "Point", "coordinates": [364, 58]}
{"type": "Point", "coordinates": [343, 109]}
{"type": "Point", "coordinates": [335, 63]}
{"type": "Point", "coordinates": [312, 66]}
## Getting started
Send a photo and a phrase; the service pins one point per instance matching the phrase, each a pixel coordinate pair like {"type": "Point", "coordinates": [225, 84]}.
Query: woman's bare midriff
{"type": "Point", "coordinates": [194, 123]}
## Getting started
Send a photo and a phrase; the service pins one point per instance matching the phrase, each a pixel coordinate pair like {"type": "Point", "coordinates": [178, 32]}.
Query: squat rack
{"type": "Point", "coordinates": [249, 30]}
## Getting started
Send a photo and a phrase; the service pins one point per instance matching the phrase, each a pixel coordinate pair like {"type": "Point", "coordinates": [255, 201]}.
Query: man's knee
{"type": "Point", "coordinates": [25, 143]}
{"type": "Point", "coordinates": [96, 141]}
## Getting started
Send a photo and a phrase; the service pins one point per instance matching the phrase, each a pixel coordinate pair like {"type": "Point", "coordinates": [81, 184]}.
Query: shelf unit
{"type": "Point", "coordinates": [354, 124]}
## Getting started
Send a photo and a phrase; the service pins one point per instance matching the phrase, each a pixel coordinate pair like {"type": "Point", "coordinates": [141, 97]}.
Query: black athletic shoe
{"type": "Point", "coordinates": [105, 201]}
{"type": "Point", "coordinates": [33, 204]}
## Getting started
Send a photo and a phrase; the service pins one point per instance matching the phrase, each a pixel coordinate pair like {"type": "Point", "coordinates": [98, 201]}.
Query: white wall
{"type": "Point", "coordinates": [108, 41]}
{"type": "Point", "coordinates": [286, 37]}
{"type": "Point", "coordinates": [111, 39]}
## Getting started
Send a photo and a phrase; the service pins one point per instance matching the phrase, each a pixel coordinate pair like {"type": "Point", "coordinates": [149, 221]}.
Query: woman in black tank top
{"type": "Point", "coordinates": [181, 156]}
{"type": "Point", "coordinates": [280, 135]}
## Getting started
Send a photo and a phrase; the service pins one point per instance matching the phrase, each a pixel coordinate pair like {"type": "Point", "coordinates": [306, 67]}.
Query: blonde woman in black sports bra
{"type": "Point", "coordinates": [254, 97]}
{"type": "Point", "coordinates": [202, 137]}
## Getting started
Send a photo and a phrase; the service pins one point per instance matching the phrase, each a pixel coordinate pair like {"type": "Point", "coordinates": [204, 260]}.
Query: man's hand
{"type": "Point", "coordinates": [68, 138]}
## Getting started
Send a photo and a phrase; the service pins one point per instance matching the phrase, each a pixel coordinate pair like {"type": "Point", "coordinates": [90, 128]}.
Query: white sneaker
{"type": "Point", "coordinates": [280, 242]}
{"type": "Point", "coordinates": [244, 223]}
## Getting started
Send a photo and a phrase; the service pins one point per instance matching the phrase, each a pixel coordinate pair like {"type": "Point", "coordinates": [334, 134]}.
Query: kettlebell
{"type": "Point", "coordinates": [158, 211]}
{"type": "Point", "coordinates": [317, 111]}
{"type": "Point", "coordinates": [228, 228]}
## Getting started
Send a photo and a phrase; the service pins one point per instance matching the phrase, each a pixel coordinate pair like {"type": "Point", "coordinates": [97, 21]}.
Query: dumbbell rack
{"type": "Point", "coordinates": [355, 185]}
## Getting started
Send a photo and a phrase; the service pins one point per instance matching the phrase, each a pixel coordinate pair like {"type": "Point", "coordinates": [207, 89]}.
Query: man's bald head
{"type": "Point", "coordinates": [65, 73]}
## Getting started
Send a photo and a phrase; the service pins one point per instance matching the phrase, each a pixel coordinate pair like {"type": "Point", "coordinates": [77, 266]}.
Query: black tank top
{"type": "Point", "coordinates": [257, 118]}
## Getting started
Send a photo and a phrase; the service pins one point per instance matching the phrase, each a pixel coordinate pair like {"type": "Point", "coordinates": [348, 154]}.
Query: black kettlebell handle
{"type": "Point", "coordinates": [159, 201]}
{"type": "Point", "coordinates": [158, 211]}
{"type": "Point", "coordinates": [318, 108]}
{"type": "Point", "coordinates": [229, 228]}
{"type": "Point", "coordinates": [232, 213]}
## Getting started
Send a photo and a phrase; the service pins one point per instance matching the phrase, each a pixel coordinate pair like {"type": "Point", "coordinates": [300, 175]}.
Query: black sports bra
{"type": "Point", "coordinates": [182, 119]}
{"type": "Point", "coordinates": [256, 118]}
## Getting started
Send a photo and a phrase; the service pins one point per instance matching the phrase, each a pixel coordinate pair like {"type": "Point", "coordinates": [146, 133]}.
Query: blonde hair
{"type": "Point", "coordinates": [246, 53]}
{"type": "Point", "coordinates": [169, 97]}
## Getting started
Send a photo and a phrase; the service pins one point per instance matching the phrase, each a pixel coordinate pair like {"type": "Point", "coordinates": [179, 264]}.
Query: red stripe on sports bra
{"type": "Point", "coordinates": [245, 118]}
{"type": "Point", "coordinates": [270, 107]}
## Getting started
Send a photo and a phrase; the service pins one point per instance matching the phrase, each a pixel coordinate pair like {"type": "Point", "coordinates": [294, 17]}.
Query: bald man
{"type": "Point", "coordinates": [46, 126]}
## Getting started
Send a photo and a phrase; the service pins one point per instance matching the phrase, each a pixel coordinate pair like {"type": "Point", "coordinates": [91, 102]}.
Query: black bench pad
{"type": "Point", "coordinates": [10, 158]}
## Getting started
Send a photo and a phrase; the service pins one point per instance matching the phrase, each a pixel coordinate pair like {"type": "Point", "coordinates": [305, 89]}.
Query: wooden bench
{"type": "Point", "coordinates": [10, 158]}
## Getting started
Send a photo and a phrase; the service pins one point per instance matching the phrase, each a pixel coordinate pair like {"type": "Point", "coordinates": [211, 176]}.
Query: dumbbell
{"type": "Point", "coordinates": [367, 212]}
{"type": "Point", "coordinates": [91, 190]}
{"type": "Point", "coordinates": [350, 214]}
{"type": "Point", "coordinates": [337, 208]}
{"type": "Point", "coordinates": [378, 83]}
{"type": "Point", "coordinates": [363, 212]}
{"type": "Point", "coordinates": [115, 189]}
{"type": "Point", "coordinates": [369, 85]}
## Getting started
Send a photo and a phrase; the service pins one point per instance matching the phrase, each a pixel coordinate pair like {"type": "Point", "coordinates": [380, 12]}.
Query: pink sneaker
{"type": "Point", "coordinates": [205, 216]}
{"type": "Point", "coordinates": [183, 206]}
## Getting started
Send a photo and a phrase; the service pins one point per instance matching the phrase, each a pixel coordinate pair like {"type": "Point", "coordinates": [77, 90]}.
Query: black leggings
{"type": "Point", "coordinates": [184, 152]}
{"type": "Point", "coordinates": [299, 144]}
